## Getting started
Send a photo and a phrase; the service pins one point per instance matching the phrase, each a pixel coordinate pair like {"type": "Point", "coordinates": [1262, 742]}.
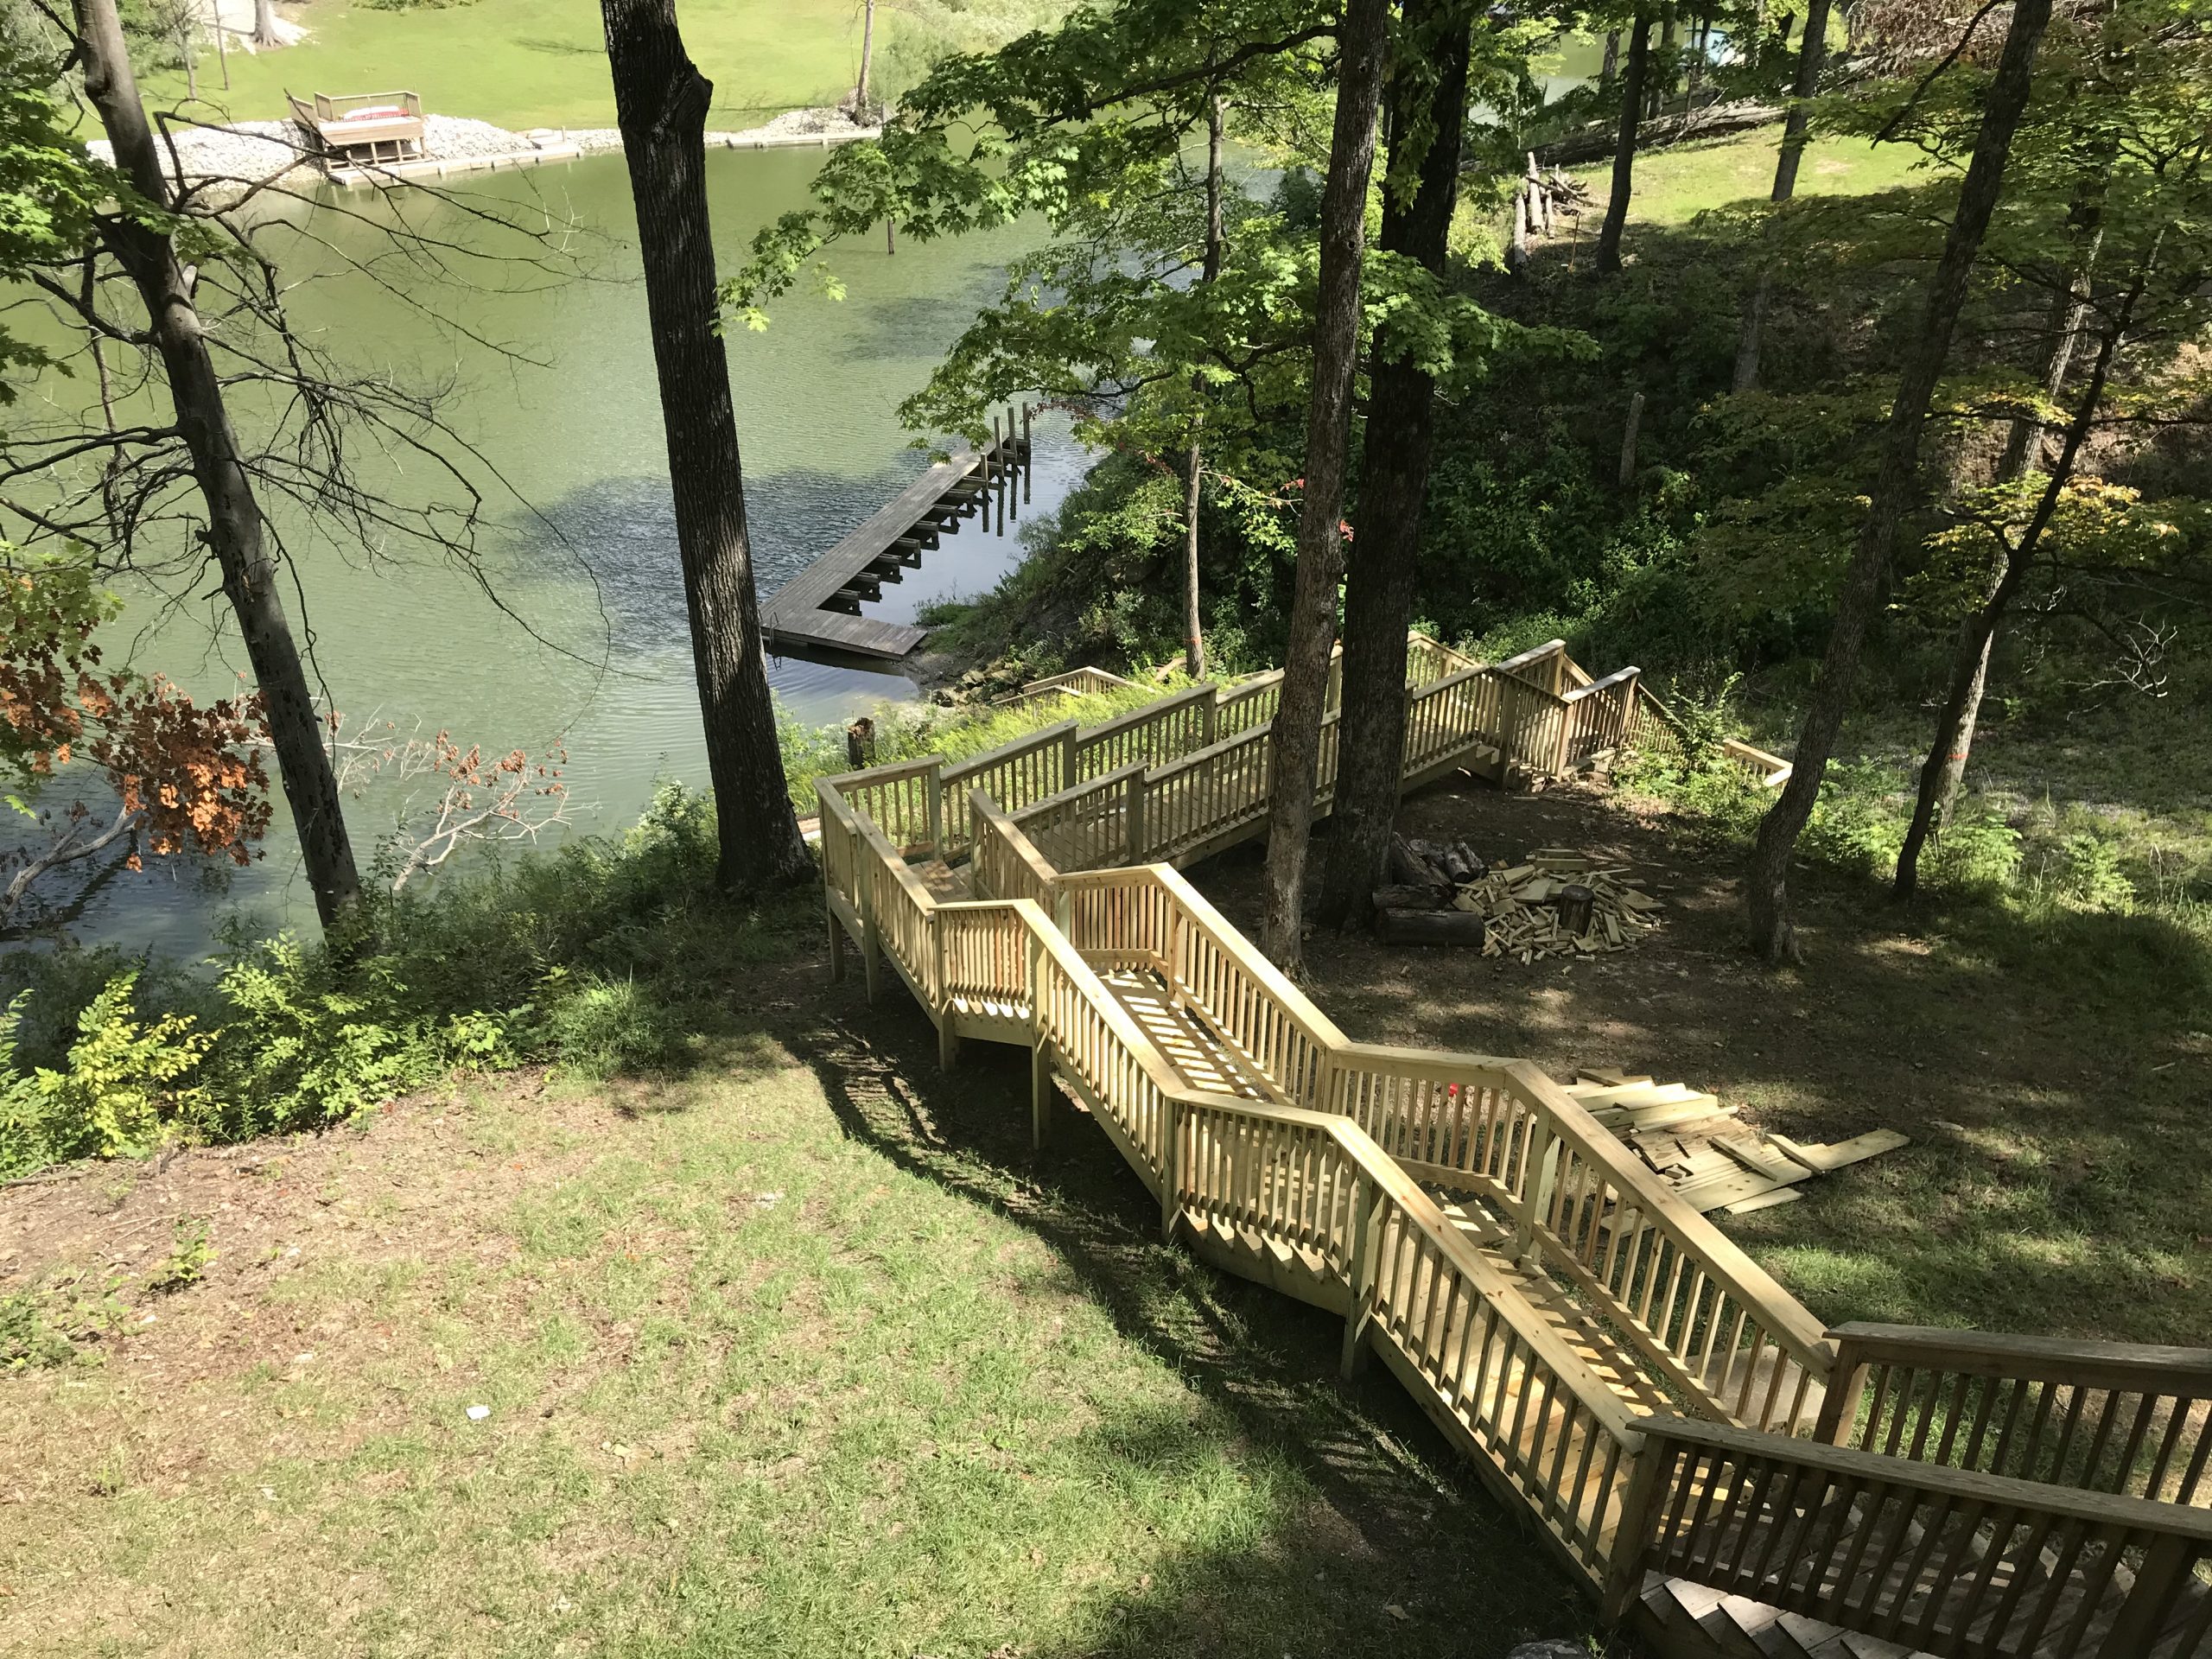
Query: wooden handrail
{"type": "Point", "coordinates": [1932, 1559]}
{"type": "Point", "coordinates": [2031, 1496]}
{"type": "Point", "coordinates": [2055, 1359]}
{"type": "Point", "coordinates": [1334, 1169]}
{"type": "Point", "coordinates": [1617, 677]}
{"type": "Point", "coordinates": [1534, 654]}
{"type": "Point", "coordinates": [2096, 1417]}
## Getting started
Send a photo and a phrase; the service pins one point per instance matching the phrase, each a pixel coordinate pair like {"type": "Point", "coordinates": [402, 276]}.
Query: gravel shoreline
{"type": "Point", "coordinates": [252, 152]}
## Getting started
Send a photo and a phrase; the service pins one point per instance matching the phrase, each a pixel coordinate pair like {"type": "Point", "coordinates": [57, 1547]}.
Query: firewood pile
{"type": "Point", "coordinates": [1555, 903]}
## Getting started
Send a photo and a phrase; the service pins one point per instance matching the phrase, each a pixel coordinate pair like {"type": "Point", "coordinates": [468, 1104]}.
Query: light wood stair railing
{"type": "Point", "coordinates": [1539, 1292]}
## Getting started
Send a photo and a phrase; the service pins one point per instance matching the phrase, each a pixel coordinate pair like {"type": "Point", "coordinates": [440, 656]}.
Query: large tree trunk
{"type": "Point", "coordinates": [1294, 747]}
{"type": "Point", "coordinates": [1194, 645]}
{"type": "Point", "coordinates": [1810, 58]}
{"type": "Point", "coordinates": [1944, 771]}
{"type": "Point", "coordinates": [1639, 60]}
{"type": "Point", "coordinates": [234, 527]}
{"type": "Point", "coordinates": [265, 38]}
{"type": "Point", "coordinates": [1610, 65]}
{"type": "Point", "coordinates": [1897, 484]}
{"type": "Point", "coordinates": [1394, 483]}
{"type": "Point", "coordinates": [868, 51]}
{"type": "Point", "coordinates": [660, 104]}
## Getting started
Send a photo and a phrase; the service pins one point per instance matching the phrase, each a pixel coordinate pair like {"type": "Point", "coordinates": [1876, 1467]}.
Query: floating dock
{"type": "Point", "coordinates": [819, 609]}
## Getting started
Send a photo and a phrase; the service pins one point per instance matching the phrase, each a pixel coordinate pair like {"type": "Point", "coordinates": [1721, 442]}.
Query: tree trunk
{"type": "Point", "coordinates": [1611, 64]}
{"type": "Point", "coordinates": [191, 63]}
{"type": "Point", "coordinates": [1194, 646]}
{"type": "Point", "coordinates": [868, 51]}
{"type": "Point", "coordinates": [1639, 58]}
{"type": "Point", "coordinates": [234, 527]}
{"type": "Point", "coordinates": [1810, 58]}
{"type": "Point", "coordinates": [660, 104]}
{"type": "Point", "coordinates": [1944, 771]}
{"type": "Point", "coordinates": [1670, 65]}
{"type": "Point", "coordinates": [1393, 485]}
{"type": "Point", "coordinates": [264, 25]}
{"type": "Point", "coordinates": [1294, 747]}
{"type": "Point", "coordinates": [1767, 882]}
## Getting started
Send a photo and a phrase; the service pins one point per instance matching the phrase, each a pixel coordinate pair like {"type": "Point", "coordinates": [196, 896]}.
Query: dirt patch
{"type": "Point", "coordinates": [1813, 1048]}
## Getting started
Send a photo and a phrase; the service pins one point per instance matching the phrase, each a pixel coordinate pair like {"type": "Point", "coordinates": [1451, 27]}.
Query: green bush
{"type": "Point", "coordinates": [123, 1088]}
{"type": "Point", "coordinates": [612, 953]}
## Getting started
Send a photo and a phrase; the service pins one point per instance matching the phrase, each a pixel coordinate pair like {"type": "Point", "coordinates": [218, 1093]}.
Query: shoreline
{"type": "Point", "coordinates": [249, 155]}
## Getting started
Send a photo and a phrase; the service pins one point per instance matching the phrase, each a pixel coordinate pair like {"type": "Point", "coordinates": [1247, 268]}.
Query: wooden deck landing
{"type": "Point", "coordinates": [819, 608]}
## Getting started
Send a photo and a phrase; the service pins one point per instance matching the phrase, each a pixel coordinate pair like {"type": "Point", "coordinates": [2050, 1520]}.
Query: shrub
{"type": "Point", "coordinates": [2090, 874]}
{"type": "Point", "coordinates": [122, 1087]}
{"type": "Point", "coordinates": [298, 1048]}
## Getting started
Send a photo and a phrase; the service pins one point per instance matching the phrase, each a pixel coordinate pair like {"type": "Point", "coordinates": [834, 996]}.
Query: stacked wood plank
{"type": "Point", "coordinates": [1521, 909]}
{"type": "Point", "coordinates": [1698, 1146]}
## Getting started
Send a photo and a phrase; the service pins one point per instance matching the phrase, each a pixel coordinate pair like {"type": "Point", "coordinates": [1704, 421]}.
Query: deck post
{"type": "Point", "coordinates": [1000, 445]}
{"type": "Point", "coordinates": [1846, 1382]}
{"type": "Point", "coordinates": [1133, 816]}
{"type": "Point", "coordinates": [948, 1039]}
{"type": "Point", "coordinates": [1170, 1173]}
{"type": "Point", "coordinates": [1041, 1095]}
{"type": "Point", "coordinates": [1070, 756]}
{"type": "Point", "coordinates": [1631, 1531]}
{"type": "Point", "coordinates": [870, 946]}
{"type": "Point", "coordinates": [1359, 1272]}
{"type": "Point", "coordinates": [1538, 1182]}
{"type": "Point", "coordinates": [2167, 1569]}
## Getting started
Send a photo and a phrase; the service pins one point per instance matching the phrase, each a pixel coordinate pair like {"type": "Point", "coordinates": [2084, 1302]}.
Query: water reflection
{"type": "Point", "coordinates": [599, 661]}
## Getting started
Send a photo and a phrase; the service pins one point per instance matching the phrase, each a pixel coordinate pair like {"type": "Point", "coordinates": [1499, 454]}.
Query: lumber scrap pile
{"type": "Point", "coordinates": [1712, 1161]}
{"type": "Point", "coordinates": [1554, 903]}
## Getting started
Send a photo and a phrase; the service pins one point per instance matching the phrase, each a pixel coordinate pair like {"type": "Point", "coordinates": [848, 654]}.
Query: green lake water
{"type": "Point", "coordinates": [591, 567]}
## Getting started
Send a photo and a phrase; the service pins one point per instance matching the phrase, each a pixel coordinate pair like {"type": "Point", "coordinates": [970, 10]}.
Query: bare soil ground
{"type": "Point", "coordinates": [2056, 1102]}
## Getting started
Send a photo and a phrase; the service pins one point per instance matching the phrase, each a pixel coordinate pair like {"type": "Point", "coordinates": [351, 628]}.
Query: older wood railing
{"type": "Point", "coordinates": [1920, 1530]}
{"type": "Point", "coordinates": [1941, 1560]}
{"type": "Point", "coordinates": [2098, 1416]}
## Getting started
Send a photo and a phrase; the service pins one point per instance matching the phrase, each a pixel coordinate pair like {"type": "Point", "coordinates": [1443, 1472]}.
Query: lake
{"type": "Point", "coordinates": [591, 566]}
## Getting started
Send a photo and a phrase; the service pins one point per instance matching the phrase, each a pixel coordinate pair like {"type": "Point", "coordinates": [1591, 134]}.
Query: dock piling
{"type": "Point", "coordinates": [1027, 455]}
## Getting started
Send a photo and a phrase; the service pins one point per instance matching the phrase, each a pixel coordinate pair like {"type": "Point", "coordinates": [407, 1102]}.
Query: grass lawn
{"type": "Point", "coordinates": [797, 1352]}
{"type": "Point", "coordinates": [538, 63]}
{"type": "Point", "coordinates": [1673, 185]}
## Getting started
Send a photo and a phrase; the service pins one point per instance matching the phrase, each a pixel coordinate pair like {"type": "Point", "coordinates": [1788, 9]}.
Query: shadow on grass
{"type": "Point", "coordinates": [1402, 1545]}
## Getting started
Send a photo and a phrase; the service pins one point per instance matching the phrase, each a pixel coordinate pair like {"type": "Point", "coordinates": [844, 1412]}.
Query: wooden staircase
{"type": "Point", "coordinates": [1724, 1475]}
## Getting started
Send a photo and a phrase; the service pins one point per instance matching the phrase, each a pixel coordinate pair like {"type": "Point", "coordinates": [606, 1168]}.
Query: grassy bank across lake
{"type": "Point", "coordinates": [1674, 185]}
{"type": "Point", "coordinates": [534, 63]}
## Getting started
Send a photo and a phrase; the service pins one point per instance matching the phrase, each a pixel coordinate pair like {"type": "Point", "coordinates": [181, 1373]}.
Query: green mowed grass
{"type": "Point", "coordinates": [797, 1353]}
{"type": "Point", "coordinates": [1673, 185]}
{"type": "Point", "coordinates": [537, 63]}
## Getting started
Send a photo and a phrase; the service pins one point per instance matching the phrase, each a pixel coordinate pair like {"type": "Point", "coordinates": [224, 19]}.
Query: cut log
{"type": "Point", "coordinates": [1430, 927]}
{"type": "Point", "coordinates": [1412, 896]}
{"type": "Point", "coordinates": [1407, 865]}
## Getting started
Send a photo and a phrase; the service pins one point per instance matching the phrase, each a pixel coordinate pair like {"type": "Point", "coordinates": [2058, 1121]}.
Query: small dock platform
{"type": "Point", "coordinates": [819, 609]}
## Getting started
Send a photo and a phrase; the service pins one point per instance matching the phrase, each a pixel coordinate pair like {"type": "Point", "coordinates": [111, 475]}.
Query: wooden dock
{"type": "Point", "coordinates": [819, 608]}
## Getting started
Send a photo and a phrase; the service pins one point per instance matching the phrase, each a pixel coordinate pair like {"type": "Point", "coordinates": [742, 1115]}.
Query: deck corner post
{"type": "Point", "coordinates": [1133, 816]}
{"type": "Point", "coordinates": [871, 944]}
{"type": "Point", "coordinates": [1846, 1382]}
{"type": "Point", "coordinates": [1040, 1094]}
{"type": "Point", "coordinates": [836, 946]}
{"type": "Point", "coordinates": [1359, 1272]}
{"type": "Point", "coordinates": [1070, 758]}
{"type": "Point", "coordinates": [933, 805]}
{"type": "Point", "coordinates": [1631, 1532]}
{"type": "Point", "coordinates": [2169, 1567]}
